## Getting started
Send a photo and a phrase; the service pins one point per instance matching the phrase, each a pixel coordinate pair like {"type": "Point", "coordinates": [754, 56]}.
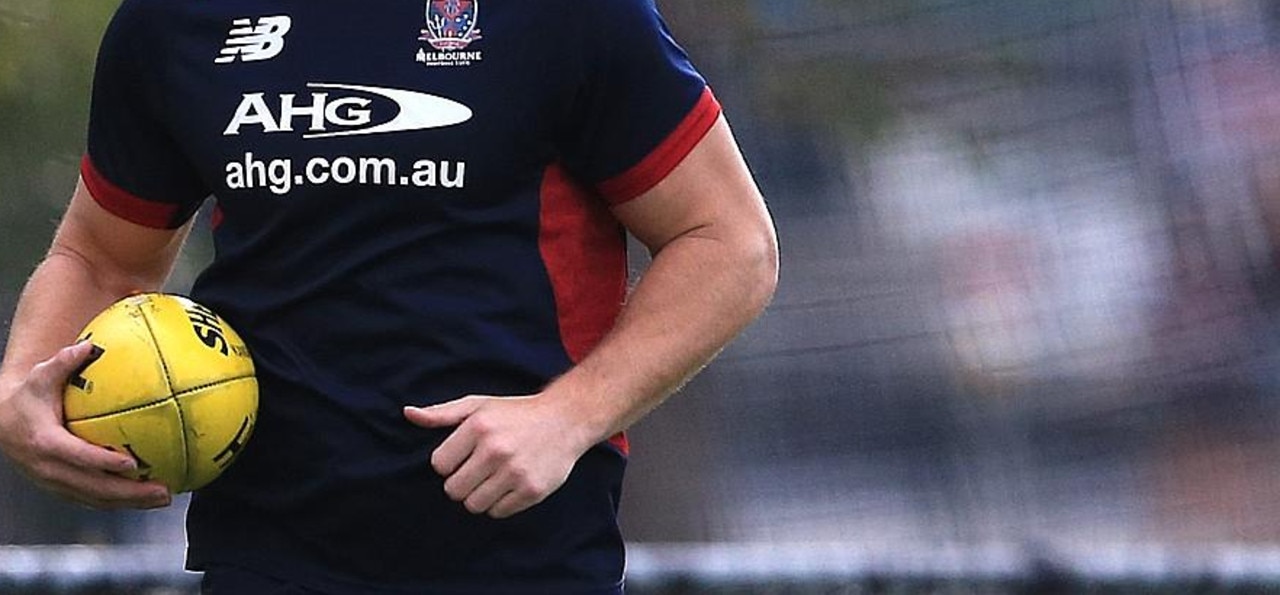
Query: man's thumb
{"type": "Point", "coordinates": [69, 362]}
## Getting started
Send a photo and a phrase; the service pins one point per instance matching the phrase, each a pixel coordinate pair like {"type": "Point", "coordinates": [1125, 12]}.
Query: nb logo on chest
{"type": "Point", "coordinates": [250, 43]}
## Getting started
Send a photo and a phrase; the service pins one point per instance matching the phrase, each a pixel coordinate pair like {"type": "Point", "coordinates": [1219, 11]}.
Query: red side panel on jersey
{"type": "Point", "coordinates": [645, 175]}
{"type": "Point", "coordinates": [585, 252]}
{"type": "Point", "coordinates": [122, 203]}
{"type": "Point", "coordinates": [218, 216]}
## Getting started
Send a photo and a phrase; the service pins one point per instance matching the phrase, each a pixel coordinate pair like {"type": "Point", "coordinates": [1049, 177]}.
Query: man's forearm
{"type": "Point", "coordinates": [95, 258]}
{"type": "Point", "coordinates": [699, 292]}
{"type": "Point", "coordinates": [58, 300]}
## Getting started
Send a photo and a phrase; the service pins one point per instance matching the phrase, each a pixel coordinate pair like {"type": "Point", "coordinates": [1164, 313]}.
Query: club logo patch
{"type": "Point", "coordinates": [452, 26]}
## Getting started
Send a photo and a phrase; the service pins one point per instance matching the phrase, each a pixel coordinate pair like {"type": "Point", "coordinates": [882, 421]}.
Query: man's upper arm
{"type": "Point", "coordinates": [119, 253]}
{"type": "Point", "coordinates": [710, 194]}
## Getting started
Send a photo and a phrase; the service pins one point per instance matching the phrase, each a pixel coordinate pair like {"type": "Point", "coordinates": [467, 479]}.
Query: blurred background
{"type": "Point", "coordinates": [1025, 339]}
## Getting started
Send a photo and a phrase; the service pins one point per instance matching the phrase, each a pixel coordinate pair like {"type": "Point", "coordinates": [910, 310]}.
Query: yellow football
{"type": "Point", "coordinates": [172, 384]}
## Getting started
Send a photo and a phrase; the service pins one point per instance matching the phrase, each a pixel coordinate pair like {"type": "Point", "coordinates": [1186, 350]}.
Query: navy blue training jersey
{"type": "Point", "coordinates": [412, 205]}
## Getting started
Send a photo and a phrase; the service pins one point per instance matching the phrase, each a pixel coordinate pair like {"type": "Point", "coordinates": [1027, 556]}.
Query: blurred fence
{"type": "Point", "coordinates": [756, 569]}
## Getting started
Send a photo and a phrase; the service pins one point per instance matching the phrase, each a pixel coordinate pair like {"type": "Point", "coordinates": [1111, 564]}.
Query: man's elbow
{"type": "Point", "coordinates": [108, 277]}
{"type": "Point", "coordinates": [760, 264]}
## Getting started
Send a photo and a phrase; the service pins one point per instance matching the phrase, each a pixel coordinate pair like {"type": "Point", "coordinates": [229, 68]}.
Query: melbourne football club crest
{"type": "Point", "coordinates": [451, 24]}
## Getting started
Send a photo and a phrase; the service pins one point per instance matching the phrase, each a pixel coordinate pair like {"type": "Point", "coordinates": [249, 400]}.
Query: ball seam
{"type": "Point", "coordinates": [168, 379]}
{"type": "Point", "coordinates": [171, 397]}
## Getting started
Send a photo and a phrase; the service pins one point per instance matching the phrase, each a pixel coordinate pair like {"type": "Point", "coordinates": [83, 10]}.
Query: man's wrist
{"type": "Point", "coordinates": [585, 408]}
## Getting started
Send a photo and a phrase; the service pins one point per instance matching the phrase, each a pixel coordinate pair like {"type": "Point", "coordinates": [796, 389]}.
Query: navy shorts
{"type": "Point", "coordinates": [233, 580]}
{"type": "Point", "coordinates": [230, 580]}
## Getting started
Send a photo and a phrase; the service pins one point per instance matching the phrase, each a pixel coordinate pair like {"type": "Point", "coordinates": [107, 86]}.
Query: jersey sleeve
{"type": "Point", "coordinates": [133, 167]}
{"type": "Point", "coordinates": [643, 107]}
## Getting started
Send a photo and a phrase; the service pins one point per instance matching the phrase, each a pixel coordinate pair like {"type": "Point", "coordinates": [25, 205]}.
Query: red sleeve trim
{"type": "Point", "coordinates": [620, 442]}
{"type": "Point", "coordinates": [124, 204]}
{"type": "Point", "coordinates": [654, 168]}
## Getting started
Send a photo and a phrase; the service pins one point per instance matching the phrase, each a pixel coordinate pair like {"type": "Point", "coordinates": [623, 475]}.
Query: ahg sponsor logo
{"type": "Point", "coordinates": [334, 109]}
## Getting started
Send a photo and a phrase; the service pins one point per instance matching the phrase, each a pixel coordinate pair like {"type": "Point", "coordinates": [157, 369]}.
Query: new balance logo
{"type": "Point", "coordinates": [249, 42]}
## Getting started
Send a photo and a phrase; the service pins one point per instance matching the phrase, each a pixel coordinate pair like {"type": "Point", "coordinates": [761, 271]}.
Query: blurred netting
{"type": "Point", "coordinates": [1025, 340]}
{"type": "Point", "coordinates": [1028, 280]}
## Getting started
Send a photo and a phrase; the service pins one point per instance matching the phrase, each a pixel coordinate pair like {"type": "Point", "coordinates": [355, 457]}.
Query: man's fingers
{"type": "Point", "coordinates": [462, 483]}
{"type": "Point", "coordinates": [51, 374]}
{"type": "Point", "coordinates": [445, 414]}
{"type": "Point", "coordinates": [100, 488]}
{"type": "Point", "coordinates": [511, 503]}
{"type": "Point", "coordinates": [90, 474]}
{"type": "Point", "coordinates": [484, 496]}
{"type": "Point", "coordinates": [68, 447]}
{"type": "Point", "coordinates": [451, 453]}
{"type": "Point", "coordinates": [111, 492]}
{"type": "Point", "coordinates": [115, 492]}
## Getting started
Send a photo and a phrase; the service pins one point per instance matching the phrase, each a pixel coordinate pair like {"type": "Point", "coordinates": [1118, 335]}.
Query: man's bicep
{"type": "Point", "coordinates": [711, 192]}
{"type": "Point", "coordinates": [115, 248]}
